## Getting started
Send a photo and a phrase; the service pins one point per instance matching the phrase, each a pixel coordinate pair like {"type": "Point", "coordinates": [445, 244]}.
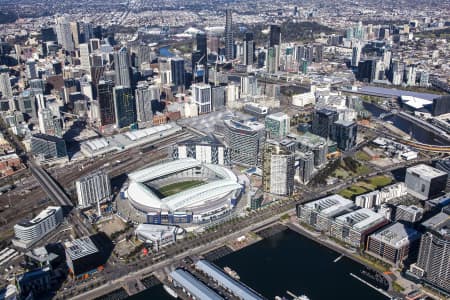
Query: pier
{"type": "Point", "coordinates": [372, 286]}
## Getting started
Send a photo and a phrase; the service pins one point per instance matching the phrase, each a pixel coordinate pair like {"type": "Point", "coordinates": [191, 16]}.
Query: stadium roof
{"type": "Point", "coordinates": [193, 285]}
{"type": "Point", "coordinates": [164, 169]}
{"type": "Point", "coordinates": [143, 198]}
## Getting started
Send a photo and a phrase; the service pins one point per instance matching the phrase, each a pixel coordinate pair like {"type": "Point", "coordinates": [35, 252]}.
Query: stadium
{"type": "Point", "coordinates": [180, 191]}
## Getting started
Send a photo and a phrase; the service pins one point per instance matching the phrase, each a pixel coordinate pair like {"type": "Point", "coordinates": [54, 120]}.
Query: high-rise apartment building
{"type": "Point", "coordinates": [278, 169]}
{"type": "Point", "coordinates": [229, 42]}
{"type": "Point", "coordinates": [245, 141]}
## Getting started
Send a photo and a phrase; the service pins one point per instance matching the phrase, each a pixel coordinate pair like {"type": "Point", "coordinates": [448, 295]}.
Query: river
{"type": "Point", "coordinates": [418, 133]}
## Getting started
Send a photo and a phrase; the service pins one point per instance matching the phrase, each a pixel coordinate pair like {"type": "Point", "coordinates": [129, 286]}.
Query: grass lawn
{"type": "Point", "coordinates": [363, 169]}
{"type": "Point", "coordinates": [365, 185]}
{"type": "Point", "coordinates": [174, 188]}
{"type": "Point", "coordinates": [341, 173]}
{"type": "Point", "coordinates": [380, 181]}
{"type": "Point", "coordinates": [346, 193]}
{"type": "Point", "coordinates": [362, 156]}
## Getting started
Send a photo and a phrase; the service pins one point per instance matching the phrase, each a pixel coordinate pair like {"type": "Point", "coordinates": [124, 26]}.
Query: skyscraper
{"type": "Point", "coordinates": [323, 122]}
{"type": "Point", "coordinates": [85, 61]}
{"type": "Point", "coordinates": [275, 35]}
{"type": "Point", "coordinates": [106, 102]}
{"type": "Point", "coordinates": [64, 34]}
{"type": "Point", "coordinates": [229, 42]}
{"type": "Point", "coordinates": [125, 106]}
{"type": "Point", "coordinates": [278, 169]}
{"type": "Point", "coordinates": [249, 49]}
{"type": "Point", "coordinates": [122, 68]}
{"type": "Point", "coordinates": [277, 125]}
{"type": "Point", "coordinates": [177, 68]}
{"type": "Point", "coordinates": [344, 134]}
{"type": "Point", "coordinates": [75, 29]}
{"type": "Point", "coordinates": [144, 99]}
{"type": "Point", "coordinates": [201, 93]}
{"type": "Point", "coordinates": [356, 55]}
{"type": "Point", "coordinates": [5, 85]}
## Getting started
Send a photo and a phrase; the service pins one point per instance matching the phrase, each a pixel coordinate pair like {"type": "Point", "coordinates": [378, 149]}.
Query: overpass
{"type": "Point", "coordinates": [413, 144]}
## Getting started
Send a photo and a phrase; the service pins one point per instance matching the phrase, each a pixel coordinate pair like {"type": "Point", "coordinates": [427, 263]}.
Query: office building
{"type": "Point", "coordinates": [314, 143]}
{"type": "Point", "coordinates": [105, 97]}
{"type": "Point", "coordinates": [441, 105]}
{"type": "Point", "coordinates": [34, 284]}
{"type": "Point", "coordinates": [278, 169]}
{"type": "Point", "coordinates": [323, 122]}
{"type": "Point", "coordinates": [394, 243]}
{"type": "Point", "coordinates": [122, 68]}
{"type": "Point", "coordinates": [249, 49]}
{"type": "Point", "coordinates": [274, 35]}
{"type": "Point", "coordinates": [177, 68]}
{"type": "Point", "coordinates": [320, 213]}
{"type": "Point", "coordinates": [229, 41]}
{"type": "Point", "coordinates": [192, 286]}
{"type": "Point", "coordinates": [85, 61]}
{"type": "Point", "coordinates": [93, 189]}
{"type": "Point", "coordinates": [218, 97]}
{"type": "Point", "coordinates": [5, 86]}
{"type": "Point", "coordinates": [64, 34]}
{"type": "Point", "coordinates": [29, 232]}
{"type": "Point", "coordinates": [277, 125]}
{"type": "Point", "coordinates": [45, 147]}
{"type": "Point", "coordinates": [433, 263]}
{"type": "Point", "coordinates": [410, 214]}
{"type": "Point", "coordinates": [249, 86]}
{"type": "Point", "coordinates": [353, 228]}
{"type": "Point", "coordinates": [201, 94]}
{"type": "Point", "coordinates": [245, 141]}
{"type": "Point", "coordinates": [425, 182]}
{"type": "Point", "coordinates": [344, 134]}
{"type": "Point", "coordinates": [48, 124]}
{"type": "Point", "coordinates": [83, 258]}
{"type": "Point", "coordinates": [273, 59]}
{"type": "Point", "coordinates": [30, 69]}
{"type": "Point", "coordinates": [206, 149]}
{"type": "Point", "coordinates": [125, 106]}
{"type": "Point", "coordinates": [304, 166]}
{"type": "Point", "coordinates": [145, 94]}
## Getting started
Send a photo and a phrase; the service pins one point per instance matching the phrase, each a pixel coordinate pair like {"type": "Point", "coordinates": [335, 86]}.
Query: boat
{"type": "Point", "coordinates": [232, 273]}
{"type": "Point", "coordinates": [170, 291]}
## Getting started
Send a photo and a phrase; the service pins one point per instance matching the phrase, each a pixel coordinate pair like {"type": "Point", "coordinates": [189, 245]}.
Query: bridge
{"type": "Point", "coordinates": [412, 144]}
{"type": "Point", "coordinates": [388, 114]}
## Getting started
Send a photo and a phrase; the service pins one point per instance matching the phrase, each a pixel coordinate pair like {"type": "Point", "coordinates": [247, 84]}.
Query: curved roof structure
{"type": "Point", "coordinates": [144, 199]}
{"type": "Point", "coordinates": [164, 169]}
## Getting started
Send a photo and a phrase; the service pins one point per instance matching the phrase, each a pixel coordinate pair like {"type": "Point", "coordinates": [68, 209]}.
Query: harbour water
{"type": "Point", "coordinates": [288, 261]}
{"type": "Point", "coordinates": [165, 52]}
{"type": "Point", "coordinates": [418, 133]}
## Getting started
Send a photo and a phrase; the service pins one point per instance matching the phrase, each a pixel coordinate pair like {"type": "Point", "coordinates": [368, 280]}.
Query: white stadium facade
{"type": "Point", "coordinates": [214, 195]}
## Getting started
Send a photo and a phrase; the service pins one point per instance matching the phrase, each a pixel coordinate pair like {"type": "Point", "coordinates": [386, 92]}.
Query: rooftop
{"type": "Point", "coordinates": [425, 171]}
{"type": "Point", "coordinates": [49, 211]}
{"type": "Point", "coordinates": [396, 235]}
{"type": "Point", "coordinates": [80, 248]}
{"type": "Point", "coordinates": [193, 285]}
{"type": "Point", "coordinates": [331, 205]}
{"type": "Point", "coordinates": [361, 219]}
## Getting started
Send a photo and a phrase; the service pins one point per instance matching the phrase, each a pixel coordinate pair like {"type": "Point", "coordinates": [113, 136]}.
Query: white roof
{"type": "Point", "coordinates": [396, 235]}
{"type": "Point", "coordinates": [80, 248]}
{"type": "Point", "coordinates": [361, 219]}
{"type": "Point", "coordinates": [163, 169]}
{"type": "Point", "coordinates": [331, 205]}
{"type": "Point", "coordinates": [415, 102]}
